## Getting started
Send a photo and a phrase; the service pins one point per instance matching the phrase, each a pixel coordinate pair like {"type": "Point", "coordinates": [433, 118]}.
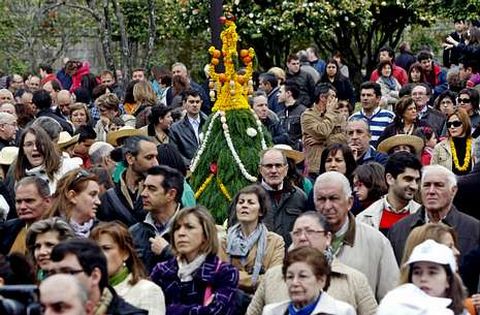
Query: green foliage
{"type": "Point", "coordinates": [227, 169]}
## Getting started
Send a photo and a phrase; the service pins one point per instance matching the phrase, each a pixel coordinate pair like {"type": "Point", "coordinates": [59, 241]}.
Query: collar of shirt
{"type": "Point", "coordinates": [375, 111]}
{"type": "Point", "coordinates": [344, 228]}
{"type": "Point", "coordinates": [388, 206]}
{"type": "Point", "coordinates": [270, 188]}
{"type": "Point", "coordinates": [427, 218]}
{"type": "Point", "coordinates": [194, 122]}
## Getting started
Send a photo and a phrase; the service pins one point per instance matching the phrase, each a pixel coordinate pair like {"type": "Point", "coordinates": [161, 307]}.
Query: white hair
{"type": "Point", "coordinates": [429, 169]}
{"type": "Point", "coordinates": [333, 177]}
{"type": "Point", "coordinates": [6, 118]}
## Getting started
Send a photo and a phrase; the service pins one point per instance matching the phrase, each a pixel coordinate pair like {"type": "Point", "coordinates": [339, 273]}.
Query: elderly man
{"type": "Point", "coordinates": [402, 174]}
{"type": "Point", "coordinates": [288, 201]}
{"type": "Point", "coordinates": [421, 93]}
{"type": "Point", "coordinates": [8, 129]}
{"type": "Point", "coordinates": [16, 83]}
{"type": "Point", "coordinates": [358, 137]}
{"type": "Point", "coordinates": [346, 284]}
{"type": "Point", "coordinates": [439, 186]}
{"type": "Point", "coordinates": [6, 96]}
{"type": "Point", "coordinates": [64, 100]}
{"type": "Point", "coordinates": [269, 119]}
{"type": "Point", "coordinates": [63, 294]}
{"type": "Point", "coordinates": [355, 244]}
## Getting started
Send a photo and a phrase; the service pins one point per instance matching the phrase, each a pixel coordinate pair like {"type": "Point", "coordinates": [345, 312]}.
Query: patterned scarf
{"type": "Point", "coordinates": [239, 245]}
{"type": "Point", "coordinates": [82, 230]}
{"type": "Point", "coordinates": [390, 82]}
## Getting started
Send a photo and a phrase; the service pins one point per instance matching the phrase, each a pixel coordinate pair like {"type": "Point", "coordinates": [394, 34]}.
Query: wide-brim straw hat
{"type": "Point", "coordinates": [8, 155]}
{"type": "Point", "coordinates": [290, 153]}
{"type": "Point", "coordinates": [65, 139]}
{"type": "Point", "coordinates": [413, 141]}
{"type": "Point", "coordinates": [121, 133]}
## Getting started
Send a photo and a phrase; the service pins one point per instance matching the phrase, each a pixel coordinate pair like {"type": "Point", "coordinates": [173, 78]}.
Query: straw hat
{"type": "Point", "coordinates": [121, 133]}
{"type": "Point", "coordinates": [415, 142]}
{"type": "Point", "coordinates": [8, 155]}
{"type": "Point", "coordinates": [65, 140]}
{"type": "Point", "coordinates": [290, 153]}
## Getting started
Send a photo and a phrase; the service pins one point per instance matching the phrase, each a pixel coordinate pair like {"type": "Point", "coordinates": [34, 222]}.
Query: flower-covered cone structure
{"type": "Point", "coordinates": [228, 157]}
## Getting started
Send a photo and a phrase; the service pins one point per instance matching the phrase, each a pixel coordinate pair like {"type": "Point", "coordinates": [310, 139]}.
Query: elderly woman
{"type": "Point", "coordinates": [307, 275]}
{"type": "Point", "coordinates": [248, 245]}
{"type": "Point", "coordinates": [125, 270]}
{"type": "Point", "coordinates": [76, 200]}
{"type": "Point", "coordinates": [446, 102]}
{"type": "Point", "coordinates": [41, 237]}
{"type": "Point", "coordinates": [196, 281]}
{"type": "Point", "coordinates": [346, 284]}
{"type": "Point", "coordinates": [432, 267]}
{"type": "Point", "coordinates": [455, 152]}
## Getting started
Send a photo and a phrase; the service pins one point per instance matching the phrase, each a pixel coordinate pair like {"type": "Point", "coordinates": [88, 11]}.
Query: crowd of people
{"type": "Point", "coordinates": [361, 207]}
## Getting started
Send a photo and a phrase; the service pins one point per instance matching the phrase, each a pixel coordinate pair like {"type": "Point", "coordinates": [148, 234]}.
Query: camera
{"type": "Point", "coordinates": [20, 300]}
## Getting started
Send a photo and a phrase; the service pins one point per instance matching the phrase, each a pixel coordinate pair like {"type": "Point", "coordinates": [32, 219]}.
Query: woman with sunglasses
{"type": "Point", "coordinates": [468, 99]}
{"type": "Point", "coordinates": [455, 152]}
{"type": "Point", "coordinates": [76, 201]}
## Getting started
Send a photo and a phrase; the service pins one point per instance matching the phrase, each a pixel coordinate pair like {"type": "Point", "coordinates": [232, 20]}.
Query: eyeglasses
{"type": "Point", "coordinates": [308, 232]}
{"type": "Point", "coordinates": [454, 124]}
{"type": "Point", "coordinates": [464, 100]}
{"type": "Point", "coordinates": [270, 166]}
{"type": "Point", "coordinates": [67, 271]}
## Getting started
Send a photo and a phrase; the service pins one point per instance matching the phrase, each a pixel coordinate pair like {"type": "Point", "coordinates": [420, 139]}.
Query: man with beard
{"type": "Point", "coordinates": [123, 202]}
{"type": "Point", "coordinates": [402, 174]}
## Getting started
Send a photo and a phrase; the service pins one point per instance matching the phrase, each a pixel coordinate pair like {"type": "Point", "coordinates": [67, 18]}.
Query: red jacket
{"type": "Point", "coordinates": [77, 76]}
{"type": "Point", "coordinates": [398, 72]}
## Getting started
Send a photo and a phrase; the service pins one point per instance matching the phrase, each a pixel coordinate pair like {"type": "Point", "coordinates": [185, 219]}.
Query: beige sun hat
{"type": "Point", "coordinates": [8, 155]}
{"type": "Point", "coordinates": [121, 133]}
{"type": "Point", "coordinates": [65, 140]}
{"type": "Point", "coordinates": [290, 153]}
{"type": "Point", "coordinates": [413, 141]}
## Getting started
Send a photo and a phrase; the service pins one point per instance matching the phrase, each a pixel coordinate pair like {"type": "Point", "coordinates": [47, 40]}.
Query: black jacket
{"type": "Point", "coordinates": [119, 306]}
{"type": "Point", "coordinates": [343, 87]}
{"type": "Point", "coordinates": [290, 121]}
{"type": "Point", "coordinates": [435, 119]}
{"type": "Point", "coordinates": [50, 113]}
{"type": "Point", "coordinates": [111, 209]}
{"type": "Point", "coordinates": [306, 85]}
{"type": "Point", "coordinates": [467, 228]}
{"type": "Point", "coordinates": [141, 232]}
{"type": "Point", "coordinates": [468, 191]}
{"type": "Point", "coordinates": [279, 135]}
{"type": "Point", "coordinates": [182, 136]}
{"type": "Point", "coordinates": [8, 233]}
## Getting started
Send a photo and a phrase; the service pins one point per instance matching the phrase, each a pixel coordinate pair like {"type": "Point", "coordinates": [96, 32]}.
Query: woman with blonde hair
{"type": "Point", "coordinates": [125, 270]}
{"type": "Point", "coordinates": [145, 98]}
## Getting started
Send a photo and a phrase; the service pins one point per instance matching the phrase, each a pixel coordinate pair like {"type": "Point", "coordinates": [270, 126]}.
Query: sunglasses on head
{"type": "Point", "coordinates": [454, 124]}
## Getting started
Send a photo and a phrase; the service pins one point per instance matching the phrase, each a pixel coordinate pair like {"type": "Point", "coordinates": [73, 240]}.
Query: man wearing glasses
{"type": "Point", "coordinates": [85, 260]}
{"type": "Point", "coordinates": [421, 94]}
{"type": "Point", "coordinates": [288, 201]}
{"type": "Point", "coordinates": [8, 129]}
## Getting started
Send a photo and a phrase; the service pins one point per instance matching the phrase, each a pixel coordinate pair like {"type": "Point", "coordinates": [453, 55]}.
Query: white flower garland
{"type": "Point", "coordinates": [226, 132]}
{"type": "Point", "coordinates": [195, 161]}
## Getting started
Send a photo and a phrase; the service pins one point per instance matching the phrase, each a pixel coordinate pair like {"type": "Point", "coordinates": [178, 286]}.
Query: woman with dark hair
{"type": "Point", "coordinates": [125, 270]}
{"type": "Point", "coordinates": [369, 183]}
{"type": "Point", "coordinates": [468, 99]}
{"type": "Point", "coordinates": [416, 74]}
{"type": "Point", "coordinates": [168, 155]}
{"type": "Point", "coordinates": [338, 157]}
{"type": "Point", "coordinates": [405, 121]}
{"type": "Point", "coordinates": [179, 85]}
{"type": "Point", "coordinates": [196, 281]}
{"type": "Point", "coordinates": [38, 156]}
{"type": "Point", "coordinates": [307, 275]}
{"type": "Point", "coordinates": [388, 83]}
{"type": "Point", "coordinates": [333, 76]}
{"type": "Point", "coordinates": [430, 139]}
{"type": "Point", "coordinates": [337, 55]}
{"type": "Point", "coordinates": [455, 152]}
{"type": "Point", "coordinates": [446, 102]}
{"type": "Point", "coordinates": [15, 269]}
{"type": "Point", "coordinates": [160, 119]}
{"type": "Point", "coordinates": [248, 245]}
{"type": "Point", "coordinates": [76, 201]}
{"type": "Point", "coordinates": [89, 82]}
{"type": "Point", "coordinates": [41, 237]}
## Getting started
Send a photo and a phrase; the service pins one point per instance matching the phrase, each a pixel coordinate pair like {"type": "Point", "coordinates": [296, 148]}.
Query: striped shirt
{"type": "Point", "coordinates": [380, 119]}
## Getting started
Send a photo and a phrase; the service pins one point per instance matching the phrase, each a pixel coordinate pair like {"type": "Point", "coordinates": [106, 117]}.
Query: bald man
{"type": "Point", "coordinates": [63, 294]}
{"type": "Point", "coordinates": [64, 100]}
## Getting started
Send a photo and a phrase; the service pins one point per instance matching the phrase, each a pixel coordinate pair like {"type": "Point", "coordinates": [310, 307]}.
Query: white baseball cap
{"type": "Point", "coordinates": [432, 251]}
{"type": "Point", "coordinates": [408, 299]}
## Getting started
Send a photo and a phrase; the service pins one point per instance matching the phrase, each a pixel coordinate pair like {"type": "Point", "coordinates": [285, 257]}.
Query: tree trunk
{"type": "Point", "coordinates": [106, 38]}
{"type": "Point", "coordinates": [216, 10]}
{"type": "Point", "coordinates": [126, 65]}
{"type": "Point", "coordinates": [152, 33]}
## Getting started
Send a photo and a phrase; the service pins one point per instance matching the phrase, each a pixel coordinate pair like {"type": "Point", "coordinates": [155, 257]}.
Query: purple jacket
{"type": "Point", "coordinates": [187, 298]}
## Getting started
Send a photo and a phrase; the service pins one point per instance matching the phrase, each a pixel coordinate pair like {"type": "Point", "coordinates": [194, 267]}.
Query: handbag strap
{"type": "Point", "coordinates": [208, 296]}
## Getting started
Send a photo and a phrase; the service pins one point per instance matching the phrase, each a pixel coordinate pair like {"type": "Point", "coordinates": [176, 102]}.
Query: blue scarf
{"type": "Point", "coordinates": [306, 310]}
{"type": "Point", "coordinates": [238, 245]}
{"type": "Point", "coordinates": [390, 82]}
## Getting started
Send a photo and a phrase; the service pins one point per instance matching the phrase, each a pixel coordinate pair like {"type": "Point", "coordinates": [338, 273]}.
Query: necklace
{"type": "Point", "coordinates": [468, 153]}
